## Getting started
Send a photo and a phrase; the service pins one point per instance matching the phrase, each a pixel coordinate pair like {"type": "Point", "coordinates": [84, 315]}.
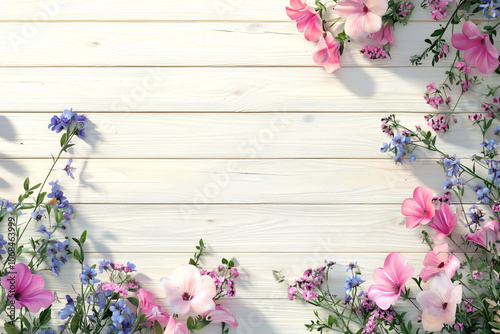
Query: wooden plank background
{"type": "Point", "coordinates": [209, 119]}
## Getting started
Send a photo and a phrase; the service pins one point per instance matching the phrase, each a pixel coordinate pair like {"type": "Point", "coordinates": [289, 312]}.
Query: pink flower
{"type": "Point", "coordinates": [444, 221]}
{"type": "Point", "coordinates": [326, 53]}
{"type": "Point", "coordinates": [437, 260]}
{"type": "Point", "coordinates": [308, 20]}
{"type": "Point", "coordinates": [111, 286]}
{"type": "Point", "coordinates": [175, 328]}
{"type": "Point", "coordinates": [148, 307]}
{"type": "Point", "coordinates": [476, 274]}
{"type": "Point", "coordinates": [419, 209]}
{"type": "Point", "coordinates": [384, 35]}
{"type": "Point", "coordinates": [390, 280]}
{"type": "Point", "coordinates": [188, 291]}
{"type": "Point", "coordinates": [485, 236]}
{"type": "Point", "coordinates": [363, 17]}
{"type": "Point", "coordinates": [28, 289]}
{"type": "Point", "coordinates": [221, 314]}
{"type": "Point", "coordinates": [439, 303]}
{"type": "Point", "coordinates": [478, 48]}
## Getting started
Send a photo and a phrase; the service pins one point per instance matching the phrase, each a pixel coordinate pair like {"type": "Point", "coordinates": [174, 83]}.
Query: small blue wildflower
{"type": "Point", "coordinates": [58, 196]}
{"type": "Point", "coordinates": [38, 214]}
{"type": "Point", "coordinates": [449, 184]}
{"type": "Point", "coordinates": [56, 124]}
{"type": "Point", "coordinates": [482, 193]}
{"type": "Point", "coordinates": [352, 266]}
{"type": "Point", "coordinates": [88, 275]}
{"type": "Point", "coordinates": [67, 117]}
{"type": "Point", "coordinates": [399, 157]}
{"type": "Point", "coordinates": [490, 145]}
{"type": "Point", "coordinates": [400, 140]}
{"type": "Point", "coordinates": [68, 214]}
{"type": "Point", "coordinates": [497, 131]}
{"type": "Point", "coordinates": [452, 166]}
{"type": "Point", "coordinates": [476, 215]}
{"type": "Point", "coordinates": [44, 230]}
{"type": "Point", "coordinates": [103, 265]}
{"type": "Point", "coordinates": [491, 8]}
{"type": "Point", "coordinates": [352, 282]}
{"type": "Point", "coordinates": [131, 267]}
{"type": "Point", "coordinates": [386, 147]}
{"type": "Point", "coordinates": [81, 124]}
{"type": "Point", "coordinates": [347, 299]}
{"type": "Point", "coordinates": [2, 243]}
{"type": "Point", "coordinates": [57, 250]}
{"type": "Point", "coordinates": [69, 170]}
{"type": "Point", "coordinates": [69, 309]}
{"type": "Point", "coordinates": [412, 158]}
{"type": "Point", "coordinates": [123, 327]}
{"type": "Point", "coordinates": [118, 310]}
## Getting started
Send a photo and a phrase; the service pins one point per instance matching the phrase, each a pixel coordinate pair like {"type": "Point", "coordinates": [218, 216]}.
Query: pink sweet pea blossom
{"type": "Point", "coordinates": [419, 209]}
{"type": "Point", "coordinates": [439, 303]}
{"type": "Point", "coordinates": [437, 260]}
{"type": "Point", "coordinates": [148, 307]}
{"type": "Point", "coordinates": [363, 17]}
{"type": "Point", "coordinates": [487, 235]}
{"type": "Point", "coordinates": [327, 54]}
{"type": "Point", "coordinates": [28, 289]}
{"type": "Point", "coordinates": [478, 48]}
{"type": "Point", "coordinates": [221, 314]}
{"type": "Point", "coordinates": [384, 35]}
{"type": "Point", "coordinates": [188, 291]}
{"type": "Point", "coordinates": [390, 280]}
{"type": "Point", "coordinates": [308, 20]}
{"type": "Point", "coordinates": [175, 328]}
{"type": "Point", "coordinates": [444, 221]}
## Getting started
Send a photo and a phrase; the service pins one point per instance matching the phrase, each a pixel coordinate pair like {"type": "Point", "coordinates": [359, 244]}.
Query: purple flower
{"type": "Point", "coordinates": [490, 145]}
{"type": "Point", "coordinates": [58, 198]}
{"type": "Point", "coordinates": [452, 165]}
{"type": "Point", "coordinates": [69, 170]}
{"type": "Point", "coordinates": [69, 309]}
{"type": "Point", "coordinates": [56, 124]}
{"type": "Point", "coordinates": [88, 275]}
{"type": "Point", "coordinates": [351, 282]}
{"type": "Point", "coordinates": [2, 243]}
{"type": "Point", "coordinates": [67, 117]}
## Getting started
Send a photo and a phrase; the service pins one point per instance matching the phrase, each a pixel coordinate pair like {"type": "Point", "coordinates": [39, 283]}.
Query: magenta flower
{"type": "Point", "coordinates": [390, 280]}
{"type": "Point", "coordinates": [437, 260]}
{"type": "Point", "coordinates": [28, 289]}
{"type": "Point", "coordinates": [419, 209]}
{"type": "Point", "coordinates": [308, 20]}
{"type": "Point", "coordinates": [175, 328]}
{"type": "Point", "coordinates": [384, 35]}
{"type": "Point", "coordinates": [187, 291]}
{"type": "Point", "coordinates": [477, 48]}
{"type": "Point", "coordinates": [327, 54]}
{"type": "Point", "coordinates": [363, 17]}
{"type": "Point", "coordinates": [221, 314]}
{"type": "Point", "coordinates": [148, 307]}
{"type": "Point", "coordinates": [444, 221]}
{"type": "Point", "coordinates": [439, 303]}
{"type": "Point", "coordinates": [486, 235]}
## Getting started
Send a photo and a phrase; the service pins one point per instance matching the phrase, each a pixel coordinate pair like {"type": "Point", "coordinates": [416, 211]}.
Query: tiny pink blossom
{"type": "Point", "coordinates": [327, 54]}
{"type": "Point", "coordinates": [150, 309]}
{"type": "Point", "coordinates": [444, 221]}
{"type": "Point", "coordinates": [363, 17]}
{"type": "Point", "coordinates": [384, 35]}
{"type": "Point", "coordinates": [477, 48]}
{"type": "Point", "coordinates": [439, 303]}
{"type": "Point", "coordinates": [475, 117]}
{"type": "Point", "coordinates": [28, 289]}
{"type": "Point", "coordinates": [390, 280]}
{"type": "Point", "coordinates": [175, 328]}
{"type": "Point", "coordinates": [486, 236]}
{"type": "Point", "coordinates": [476, 274]}
{"type": "Point", "coordinates": [419, 209]}
{"type": "Point", "coordinates": [437, 260]}
{"type": "Point", "coordinates": [221, 314]}
{"type": "Point", "coordinates": [431, 86]}
{"type": "Point", "coordinates": [308, 20]}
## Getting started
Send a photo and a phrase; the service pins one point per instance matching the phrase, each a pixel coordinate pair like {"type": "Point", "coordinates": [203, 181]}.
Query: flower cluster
{"type": "Point", "coordinates": [374, 52]}
{"type": "Point", "coordinates": [223, 278]}
{"type": "Point", "coordinates": [69, 121]}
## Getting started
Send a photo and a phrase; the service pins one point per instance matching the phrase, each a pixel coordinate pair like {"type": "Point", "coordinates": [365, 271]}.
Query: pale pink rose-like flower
{"type": "Point", "coordinates": [150, 309]}
{"type": "Point", "coordinates": [175, 328]}
{"type": "Point", "coordinates": [439, 303]}
{"type": "Point", "coordinates": [327, 54]}
{"type": "Point", "coordinates": [444, 221]}
{"type": "Point", "coordinates": [420, 209]}
{"type": "Point", "coordinates": [221, 314]}
{"type": "Point", "coordinates": [477, 48]}
{"type": "Point", "coordinates": [187, 291]}
{"type": "Point", "coordinates": [390, 280]}
{"type": "Point", "coordinates": [28, 289]}
{"type": "Point", "coordinates": [384, 35]}
{"type": "Point", "coordinates": [437, 260]}
{"type": "Point", "coordinates": [487, 235]}
{"type": "Point", "coordinates": [363, 17]}
{"type": "Point", "coordinates": [308, 20]}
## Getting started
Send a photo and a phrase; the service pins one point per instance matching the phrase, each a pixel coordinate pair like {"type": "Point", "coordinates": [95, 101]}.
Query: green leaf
{"type": "Point", "coordinates": [40, 198]}
{"type": "Point", "coordinates": [76, 255]}
{"type": "Point", "coordinates": [190, 324]}
{"type": "Point", "coordinates": [158, 328]}
{"type": "Point", "coordinates": [63, 139]}
{"type": "Point", "coordinates": [26, 322]}
{"type": "Point", "coordinates": [11, 329]}
{"type": "Point", "coordinates": [201, 325]}
{"type": "Point", "coordinates": [27, 184]}
{"type": "Point", "coordinates": [134, 301]}
{"type": "Point", "coordinates": [36, 186]}
{"type": "Point", "coordinates": [75, 322]}
{"type": "Point", "coordinates": [45, 316]}
{"type": "Point", "coordinates": [83, 237]}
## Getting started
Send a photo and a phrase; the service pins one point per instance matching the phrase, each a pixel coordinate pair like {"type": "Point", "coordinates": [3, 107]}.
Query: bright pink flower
{"type": "Point", "coordinates": [419, 209]}
{"type": "Point", "coordinates": [327, 54]}
{"type": "Point", "coordinates": [439, 303]}
{"type": "Point", "coordinates": [384, 35]}
{"type": "Point", "coordinates": [111, 286]}
{"type": "Point", "coordinates": [390, 280]}
{"type": "Point", "coordinates": [437, 260]}
{"type": "Point", "coordinates": [486, 235]}
{"type": "Point", "coordinates": [28, 289]}
{"type": "Point", "coordinates": [148, 307]}
{"type": "Point", "coordinates": [478, 48]}
{"type": "Point", "coordinates": [444, 221]}
{"type": "Point", "coordinates": [308, 20]}
{"type": "Point", "coordinates": [363, 17]}
{"type": "Point", "coordinates": [221, 314]}
{"type": "Point", "coordinates": [175, 328]}
{"type": "Point", "coordinates": [476, 274]}
{"type": "Point", "coordinates": [188, 291]}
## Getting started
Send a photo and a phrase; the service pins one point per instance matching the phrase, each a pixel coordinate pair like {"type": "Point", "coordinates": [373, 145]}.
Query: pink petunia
{"type": "Point", "coordinates": [384, 35]}
{"type": "Point", "coordinates": [150, 309]}
{"type": "Point", "coordinates": [221, 314]}
{"type": "Point", "coordinates": [444, 221]}
{"type": "Point", "coordinates": [390, 280]}
{"type": "Point", "coordinates": [363, 17]}
{"type": "Point", "coordinates": [437, 260]}
{"type": "Point", "coordinates": [420, 209]}
{"type": "Point", "coordinates": [477, 48]}
{"type": "Point", "coordinates": [308, 20]}
{"type": "Point", "coordinates": [175, 328]}
{"type": "Point", "coordinates": [327, 54]}
{"type": "Point", "coordinates": [487, 235]}
{"type": "Point", "coordinates": [439, 303]}
{"type": "Point", "coordinates": [28, 289]}
{"type": "Point", "coordinates": [189, 292]}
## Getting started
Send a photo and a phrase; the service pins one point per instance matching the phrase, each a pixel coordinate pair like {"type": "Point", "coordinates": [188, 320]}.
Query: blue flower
{"type": "Point", "coordinates": [386, 147]}
{"type": "Point", "coordinates": [103, 265]}
{"type": "Point", "coordinates": [42, 230]}
{"type": "Point", "coordinates": [69, 309]}
{"type": "Point", "coordinates": [58, 196]}
{"type": "Point", "coordinates": [352, 266]}
{"type": "Point", "coordinates": [2, 243]}
{"type": "Point", "coordinates": [47, 331]}
{"type": "Point", "coordinates": [497, 131]}
{"type": "Point", "coordinates": [482, 193]}
{"type": "Point", "coordinates": [352, 282]}
{"type": "Point", "coordinates": [56, 124]}
{"type": "Point", "coordinates": [490, 145]}
{"type": "Point", "coordinates": [88, 275]}
{"type": "Point", "coordinates": [81, 124]}
{"type": "Point", "coordinates": [399, 157]}
{"type": "Point", "coordinates": [67, 117]}
{"type": "Point", "coordinates": [69, 170]}
{"type": "Point", "coordinates": [68, 214]}
{"type": "Point", "coordinates": [476, 215]}
{"type": "Point", "coordinates": [491, 8]}
{"type": "Point", "coordinates": [449, 184]}
{"type": "Point", "coordinates": [118, 310]}
{"type": "Point", "coordinates": [452, 165]}
{"type": "Point", "coordinates": [412, 158]}
{"type": "Point", "coordinates": [38, 214]}
{"type": "Point", "coordinates": [131, 266]}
